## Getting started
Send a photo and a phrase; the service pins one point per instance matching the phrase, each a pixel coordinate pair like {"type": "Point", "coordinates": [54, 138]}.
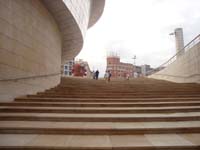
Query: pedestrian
{"type": "Point", "coordinates": [93, 74]}
{"type": "Point", "coordinates": [106, 75]}
{"type": "Point", "coordinates": [127, 76]}
{"type": "Point", "coordinates": [97, 74]}
{"type": "Point", "coordinates": [109, 76]}
{"type": "Point", "coordinates": [135, 74]}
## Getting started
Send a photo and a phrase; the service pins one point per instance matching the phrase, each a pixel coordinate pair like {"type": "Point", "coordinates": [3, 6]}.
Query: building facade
{"type": "Point", "coordinates": [138, 70]}
{"type": "Point", "coordinates": [119, 69]}
{"type": "Point", "coordinates": [146, 70]}
{"type": "Point", "coordinates": [36, 37]}
{"type": "Point", "coordinates": [68, 67]}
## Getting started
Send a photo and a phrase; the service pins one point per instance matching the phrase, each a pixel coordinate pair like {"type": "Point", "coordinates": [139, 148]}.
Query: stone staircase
{"type": "Point", "coordinates": [83, 114]}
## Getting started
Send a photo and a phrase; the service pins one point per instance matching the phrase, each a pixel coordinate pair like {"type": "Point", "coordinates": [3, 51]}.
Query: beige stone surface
{"type": "Point", "coordinates": [147, 140]}
{"type": "Point", "coordinates": [97, 130]}
{"type": "Point", "coordinates": [167, 140]}
{"type": "Point", "coordinates": [15, 140]}
{"type": "Point", "coordinates": [100, 125]}
{"type": "Point", "coordinates": [89, 141]}
{"type": "Point", "coordinates": [129, 140]}
{"type": "Point", "coordinates": [103, 115]}
{"type": "Point", "coordinates": [194, 138]}
{"type": "Point", "coordinates": [35, 35]}
{"type": "Point", "coordinates": [30, 45]}
{"type": "Point", "coordinates": [49, 140]}
{"type": "Point", "coordinates": [80, 15]}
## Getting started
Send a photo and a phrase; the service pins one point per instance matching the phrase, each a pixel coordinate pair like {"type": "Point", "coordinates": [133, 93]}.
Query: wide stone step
{"type": "Point", "coordinates": [125, 89]}
{"type": "Point", "coordinates": [59, 117]}
{"type": "Point", "coordinates": [97, 131]}
{"type": "Point", "coordinates": [101, 125]}
{"type": "Point", "coordinates": [99, 110]}
{"type": "Point", "coordinates": [100, 104]}
{"type": "Point", "coordinates": [93, 128]}
{"type": "Point", "coordinates": [119, 92]}
{"type": "Point", "coordinates": [124, 100]}
{"type": "Point", "coordinates": [127, 85]}
{"type": "Point", "coordinates": [114, 96]}
{"type": "Point", "coordinates": [101, 142]}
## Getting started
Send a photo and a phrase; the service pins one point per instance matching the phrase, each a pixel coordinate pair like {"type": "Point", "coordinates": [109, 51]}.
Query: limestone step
{"type": "Point", "coordinates": [93, 128]}
{"type": "Point", "coordinates": [101, 125]}
{"type": "Point", "coordinates": [126, 88]}
{"type": "Point", "coordinates": [99, 104]}
{"type": "Point", "coordinates": [115, 96]}
{"type": "Point", "coordinates": [124, 100]}
{"type": "Point", "coordinates": [98, 110]}
{"type": "Point", "coordinates": [97, 131]}
{"type": "Point", "coordinates": [73, 92]}
{"type": "Point", "coordinates": [142, 114]}
{"type": "Point", "coordinates": [59, 117]}
{"type": "Point", "coordinates": [118, 92]}
{"type": "Point", "coordinates": [101, 142]}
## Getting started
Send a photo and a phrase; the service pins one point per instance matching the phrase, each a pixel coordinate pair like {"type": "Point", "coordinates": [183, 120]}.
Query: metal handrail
{"type": "Point", "coordinates": [187, 47]}
{"type": "Point", "coordinates": [30, 77]}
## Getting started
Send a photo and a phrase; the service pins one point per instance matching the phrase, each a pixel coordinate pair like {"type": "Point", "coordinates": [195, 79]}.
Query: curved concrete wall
{"type": "Point", "coordinates": [185, 69]}
{"type": "Point", "coordinates": [30, 45]}
{"type": "Point", "coordinates": [36, 36]}
{"type": "Point", "coordinates": [96, 11]}
{"type": "Point", "coordinates": [73, 18]}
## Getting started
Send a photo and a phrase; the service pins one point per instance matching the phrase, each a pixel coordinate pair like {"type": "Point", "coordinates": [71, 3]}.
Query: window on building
{"type": "Point", "coordinates": [66, 72]}
{"type": "Point", "coordinates": [66, 67]}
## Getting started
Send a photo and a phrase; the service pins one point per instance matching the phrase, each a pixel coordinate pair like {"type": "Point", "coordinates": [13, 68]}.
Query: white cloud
{"type": "Point", "coordinates": [140, 27]}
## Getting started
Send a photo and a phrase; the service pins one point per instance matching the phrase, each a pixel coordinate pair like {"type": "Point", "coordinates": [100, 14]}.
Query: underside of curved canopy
{"type": "Point", "coordinates": [71, 24]}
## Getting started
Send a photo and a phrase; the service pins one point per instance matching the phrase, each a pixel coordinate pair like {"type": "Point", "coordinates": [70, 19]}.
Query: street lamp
{"type": "Point", "coordinates": [134, 58]}
{"type": "Point", "coordinates": [134, 68]}
{"type": "Point", "coordinates": [173, 33]}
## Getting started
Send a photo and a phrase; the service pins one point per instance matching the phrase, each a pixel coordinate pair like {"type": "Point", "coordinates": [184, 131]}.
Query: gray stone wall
{"type": "Point", "coordinates": [30, 45]}
{"type": "Point", "coordinates": [185, 69]}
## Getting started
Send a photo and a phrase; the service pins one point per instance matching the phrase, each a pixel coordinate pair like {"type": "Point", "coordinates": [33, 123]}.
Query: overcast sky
{"type": "Point", "coordinates": [141, 28]}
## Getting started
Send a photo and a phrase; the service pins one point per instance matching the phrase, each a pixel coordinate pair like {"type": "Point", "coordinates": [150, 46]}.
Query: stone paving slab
{"type": "Point", "coordinates": [151, 140]}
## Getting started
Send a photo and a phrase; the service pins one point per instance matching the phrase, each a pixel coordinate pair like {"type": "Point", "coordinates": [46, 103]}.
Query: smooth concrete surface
{"type": "Point", "coordinates": [185, 69]}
